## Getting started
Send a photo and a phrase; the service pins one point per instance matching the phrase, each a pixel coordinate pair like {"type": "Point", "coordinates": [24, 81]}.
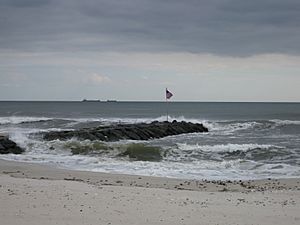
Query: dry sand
{"type": "Point", "coordinates": [36, 194]}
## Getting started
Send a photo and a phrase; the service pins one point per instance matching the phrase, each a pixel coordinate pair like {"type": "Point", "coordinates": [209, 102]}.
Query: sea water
{"type": "Point", "coordinates": [245, 140]}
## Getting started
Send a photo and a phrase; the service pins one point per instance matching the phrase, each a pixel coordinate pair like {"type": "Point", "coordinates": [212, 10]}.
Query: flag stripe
{"type": "Point", "coordinates": [168, 94]}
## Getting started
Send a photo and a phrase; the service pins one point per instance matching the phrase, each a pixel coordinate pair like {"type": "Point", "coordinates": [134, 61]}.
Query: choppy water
{"type": "Point", "coordinates": [245, 140]}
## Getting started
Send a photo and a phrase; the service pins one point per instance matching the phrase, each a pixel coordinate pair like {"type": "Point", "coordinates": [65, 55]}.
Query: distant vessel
{"type": "Point", "coordinates": [111, 100]}
{"type": "Point", "coordinates": [91, 100]}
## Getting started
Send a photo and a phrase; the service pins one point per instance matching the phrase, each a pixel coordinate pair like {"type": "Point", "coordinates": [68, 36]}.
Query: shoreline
{"type": "Point", "coordinates": [39, 171]}
{"type": "Point", "coordinates": [34, 193]}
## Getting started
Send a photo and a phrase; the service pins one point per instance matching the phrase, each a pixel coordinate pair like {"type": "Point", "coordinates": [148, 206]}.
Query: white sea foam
{"type": "Point", "coordinates": [215, 126]}
{"type": "Point", "coordinates": [21, 119]}
{"type": "Point", "coordinates": [235, 169]}
{"type": "Point", "coordinates": [228, 127]}
{"type": "Point", "coordinates": [40, 152]}
{"type": "Point", "coordinates": [286, 122]}
{"type": "Point", "coordinates": [134, 120]}
{"type": "Point", "coordinates": [43, 152]}
{"type": "Point", "coordinates": [24, 119]}
{"type": "Point", "coordinates": [224, 147]}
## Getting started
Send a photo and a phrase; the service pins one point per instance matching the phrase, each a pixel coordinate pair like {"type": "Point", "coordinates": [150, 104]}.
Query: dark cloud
{"type": "Point", "coordinates": [24, 3]}
{"type": "Point", "coordinates": [230, 27]}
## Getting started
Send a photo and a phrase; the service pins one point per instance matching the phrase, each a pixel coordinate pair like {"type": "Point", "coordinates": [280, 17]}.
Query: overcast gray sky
{"type": "Point", "coordinates": [216, 50]}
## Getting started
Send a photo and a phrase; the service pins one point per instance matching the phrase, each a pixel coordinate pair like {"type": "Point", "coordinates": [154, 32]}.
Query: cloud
{"type": "Point", "coordinates": [204, 50]}
{"type": "Point", "coordinates": [222, 27]}
{"type": "Point", "coordinates": [25, 3]}
{"type": "Point", "coordinates": [199, 77]}
{"type": "Point", "coordinates": [190, 63]}
{"type": "Point", "coordinates": [97, 79]}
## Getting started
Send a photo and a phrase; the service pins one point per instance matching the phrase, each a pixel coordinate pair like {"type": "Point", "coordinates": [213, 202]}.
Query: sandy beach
{"type": "Point", "coordinates": [36, 194]}
{"type": "Point", "coordinates": [140, 112]}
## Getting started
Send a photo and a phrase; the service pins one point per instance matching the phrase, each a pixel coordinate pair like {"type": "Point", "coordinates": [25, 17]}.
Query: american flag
{"type": "Point", "coordinates": [168, 94]}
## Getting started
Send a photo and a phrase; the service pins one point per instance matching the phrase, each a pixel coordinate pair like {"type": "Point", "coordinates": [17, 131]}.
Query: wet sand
{"type": "Point", "coordinates": [36, 194]}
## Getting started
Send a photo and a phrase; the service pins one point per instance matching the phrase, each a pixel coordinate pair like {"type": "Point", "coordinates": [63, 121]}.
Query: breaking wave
{"type": "Point", "coordinates": [286, 122]}
{"type": "Point", "coordinates": [232, 148]}
{"type": "Point", "coordinates": [22, 119]}
{"type": "Point", "coordinates": [213, 125]}
{"type": "Point", "coordinates": [226, 147]}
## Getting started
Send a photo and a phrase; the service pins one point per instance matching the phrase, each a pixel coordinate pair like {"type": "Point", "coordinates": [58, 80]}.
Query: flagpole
{"type": "Point", "coordinates": [168, 96]}
{"type": "Point", "coordinates": [167, 106]}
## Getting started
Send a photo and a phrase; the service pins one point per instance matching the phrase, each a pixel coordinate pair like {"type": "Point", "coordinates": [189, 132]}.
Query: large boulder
{"type": "Point", "coordinates": [8, 146]}
{"type": "Point", "coordinates": [139, 131]}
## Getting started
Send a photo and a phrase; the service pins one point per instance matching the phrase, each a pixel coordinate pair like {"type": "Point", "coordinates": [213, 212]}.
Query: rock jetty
{"type": "Point", "coordinates": [8, 146]}
{"type": "Point", "coordinates": [140, 131]}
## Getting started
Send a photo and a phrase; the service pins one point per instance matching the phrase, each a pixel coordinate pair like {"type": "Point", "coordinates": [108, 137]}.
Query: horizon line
{"type": "Point", "coordinates": [145, 101]}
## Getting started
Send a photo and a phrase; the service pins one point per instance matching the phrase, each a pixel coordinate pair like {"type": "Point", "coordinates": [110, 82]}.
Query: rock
{"type": "Point", "coordinates": [140, 131]}
{"type": "Point", "coordinates": [7, 146]}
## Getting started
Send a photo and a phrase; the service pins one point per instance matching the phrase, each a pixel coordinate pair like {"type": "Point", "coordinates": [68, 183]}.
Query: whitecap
{"type": "Point", "coordinates": [225, 147]}
{"type": "Point", "coordinates": [21, 119]}
{"type": "Point", "coordinates": [285, 122]}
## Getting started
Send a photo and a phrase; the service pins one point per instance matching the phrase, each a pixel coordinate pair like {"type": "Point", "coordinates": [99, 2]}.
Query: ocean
{"type": "Point", "coordinates": [245, 140]}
